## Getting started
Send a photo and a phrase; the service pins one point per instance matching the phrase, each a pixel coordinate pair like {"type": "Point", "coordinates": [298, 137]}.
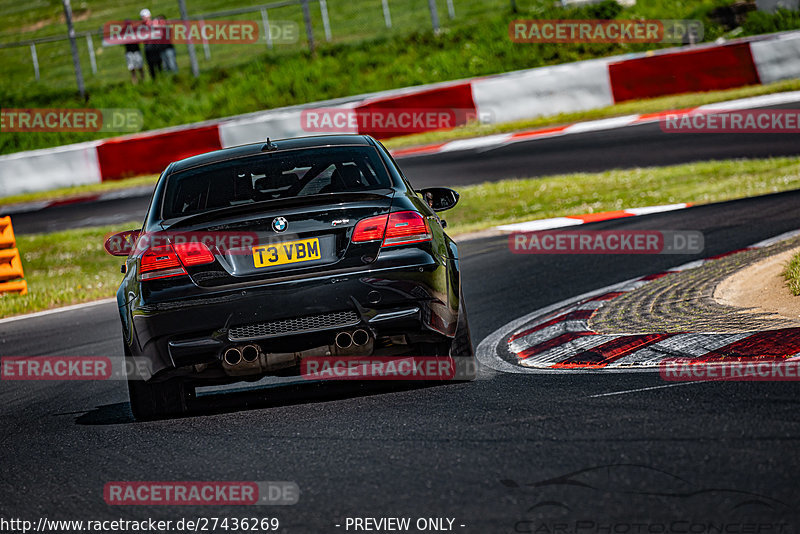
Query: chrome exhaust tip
{"type": "Point", "coordinates": [250, 353]}
{"type": "Point", "coordinates": [232, 356]}
{"type": "Point", "coordinates": [344, 340]}
{"type": "Point", "coordinates": [360, 337]}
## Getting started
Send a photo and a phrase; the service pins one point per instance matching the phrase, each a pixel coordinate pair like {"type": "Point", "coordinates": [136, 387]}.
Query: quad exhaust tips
{"type": "Point", "coordinates": [240, 360]}
{"type": "Point", "coordinates": [359, 338]}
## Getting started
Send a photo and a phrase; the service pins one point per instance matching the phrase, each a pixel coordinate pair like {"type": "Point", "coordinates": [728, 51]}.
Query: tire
{"type": "Point", "coordinates": [158, 399]}
{"type": "Point", "coordinates": [155, 400]}
{"type": "Point", "coordinates": [461, 347]}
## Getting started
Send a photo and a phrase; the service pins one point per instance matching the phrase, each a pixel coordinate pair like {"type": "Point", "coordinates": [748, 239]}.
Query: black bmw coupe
{"type": "Point", "coordinates": [253, 258]}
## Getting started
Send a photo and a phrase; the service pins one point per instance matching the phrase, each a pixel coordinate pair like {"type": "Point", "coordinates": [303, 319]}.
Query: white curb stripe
{"type": "Point", "coordinates": [540, 224]}
{"type": "Point", "coordinates": [696, 344]}
{"type": "Point", "coordinates": [546, 334]}
{"type": "Point", "coordinates": [58, 310]}
{"type": "Point", "coordinates": [558, 354]}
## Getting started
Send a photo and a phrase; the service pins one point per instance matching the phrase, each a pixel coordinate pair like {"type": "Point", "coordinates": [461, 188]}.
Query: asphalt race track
{"type": "Point", "coordinates": [635, 146]}
{"type": "Point", "coordinates": [505, 453]}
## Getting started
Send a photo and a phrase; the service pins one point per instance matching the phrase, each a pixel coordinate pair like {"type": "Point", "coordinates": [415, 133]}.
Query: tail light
{"type": "Point", "coordinates": [169, 260]}
{"type": "Point", "coordinates": [371, 229]}
{"type": "Point", "coordinates": [160, 262]}
{"type": "Point", "coordinates": [194, 253]}
{"type": "Point", "coordinates": [399, 228]}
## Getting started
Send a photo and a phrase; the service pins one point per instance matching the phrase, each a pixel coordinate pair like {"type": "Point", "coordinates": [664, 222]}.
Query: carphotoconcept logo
{"type": "Point", "coordinates": [741, 121]}
{"type": "Point", "coordinates": [606, 31]}
{"type": "Point", "coordinates": [606, 242]}
{"type": "Point", "coordinates": [70, 120]}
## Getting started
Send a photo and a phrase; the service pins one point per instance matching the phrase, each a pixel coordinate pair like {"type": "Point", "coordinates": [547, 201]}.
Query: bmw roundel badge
{"type": "Point", "coordinates": [279, 224]}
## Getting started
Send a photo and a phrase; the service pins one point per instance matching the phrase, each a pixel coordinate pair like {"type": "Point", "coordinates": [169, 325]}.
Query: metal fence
{"type": "Point", "coordinates": [54, 61]}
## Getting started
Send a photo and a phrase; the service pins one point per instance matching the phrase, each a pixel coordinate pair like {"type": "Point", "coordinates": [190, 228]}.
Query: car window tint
{"type": "Point", "coordinates": [273, 176]}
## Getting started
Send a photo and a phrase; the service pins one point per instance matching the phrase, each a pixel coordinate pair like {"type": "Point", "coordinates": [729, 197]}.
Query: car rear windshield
{"type": "Point", "coordinates": [274, 176]}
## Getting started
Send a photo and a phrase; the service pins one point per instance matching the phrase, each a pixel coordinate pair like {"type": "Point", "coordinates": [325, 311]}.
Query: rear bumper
{"type": "Point", "coordinates": [419, 301]}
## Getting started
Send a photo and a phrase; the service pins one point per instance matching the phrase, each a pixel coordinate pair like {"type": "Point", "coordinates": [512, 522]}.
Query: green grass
{"type": "Point", "coordinates": [362, 57]}
{"type": "Point", "coordinates": [792, 274]}
{"type": "Point", "coordinates": [509, 201]}
{"type": "Point", "coordinates": [71, 266]}
{"type": "Point", "coordinates": [65, 268]}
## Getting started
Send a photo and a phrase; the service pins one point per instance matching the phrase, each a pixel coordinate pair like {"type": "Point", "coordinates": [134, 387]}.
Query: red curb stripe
{"type": "Point", "coordinates": [552, 343]}
{"type": "Point", "coordinates": [72, 200]}
{"type": "Point", "coordinates": [576, 315]}
{"type": "Point", "coordinates": [602, 355]}
{"type": "Point", "coordinates": [150, 153]}
{"type": "Point", "coordinates": [453, 96]}
{"type": "Point", "coordinates": [683, 71]}
{"type": "Point", "coordinates": [540, 132]}
{"type": "Point", "coordinates": [655, 276]}
{"type": "Point", "coordinates": [416, 150]}
{"type": "Point", "coordinates": [731, 253]}
{"type": "Point", "coordinates": [606, 296]}
{"type": "Point", "coordinates": [767, 345]}
{"type": "Point", "coordinates": [602, 216]}
{"type": "Point", "coordinates": [645, 117]}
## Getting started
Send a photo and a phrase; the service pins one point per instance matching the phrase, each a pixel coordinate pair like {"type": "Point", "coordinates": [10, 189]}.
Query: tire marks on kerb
{"type": "Point", "coordinates": [558, 338]}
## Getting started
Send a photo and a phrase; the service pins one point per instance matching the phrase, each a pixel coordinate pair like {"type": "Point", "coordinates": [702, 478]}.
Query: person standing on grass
{"type": "Point", "coordinates": [168, 61]}
{"type": "Point", "coordinates": [133, 58]}
{"type": "Point", "coordinates": [152, 50]}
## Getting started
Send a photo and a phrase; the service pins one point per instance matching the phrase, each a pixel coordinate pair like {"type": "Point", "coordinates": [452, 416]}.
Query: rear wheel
{"type": "Point", "coordinates": [155, 400]}
{"type": "Point", "coordinates": [158, 399]}
{"type": "Point", "coordinates": [461, 347]}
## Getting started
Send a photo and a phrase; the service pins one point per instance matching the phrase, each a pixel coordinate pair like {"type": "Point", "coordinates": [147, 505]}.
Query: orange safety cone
{"type": "Point", "coordinates": [11, 274]}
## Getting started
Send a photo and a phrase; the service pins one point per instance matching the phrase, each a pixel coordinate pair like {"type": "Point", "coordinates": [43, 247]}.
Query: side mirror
{"type": "Point", "coordinates": [122, 244]}
{"type": "Point", "coordinates": [439, 198]}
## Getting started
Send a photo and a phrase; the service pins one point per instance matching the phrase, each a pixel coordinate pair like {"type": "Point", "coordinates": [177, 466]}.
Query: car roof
{"type": "Point", "coordinates": [256, 148]}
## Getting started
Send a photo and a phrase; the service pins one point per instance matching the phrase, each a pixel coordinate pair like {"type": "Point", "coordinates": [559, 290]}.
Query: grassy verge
{"type": "Point", "coordinates": [66, 192]}
{"type": "Point", "coordinates": [792, 274]}
{"type": "Point", "coordinates": [71, 266]}
{"type": "Point", "coordinates": [509, 201]}
{"type": "Point", "coordinates": [65, 268]}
